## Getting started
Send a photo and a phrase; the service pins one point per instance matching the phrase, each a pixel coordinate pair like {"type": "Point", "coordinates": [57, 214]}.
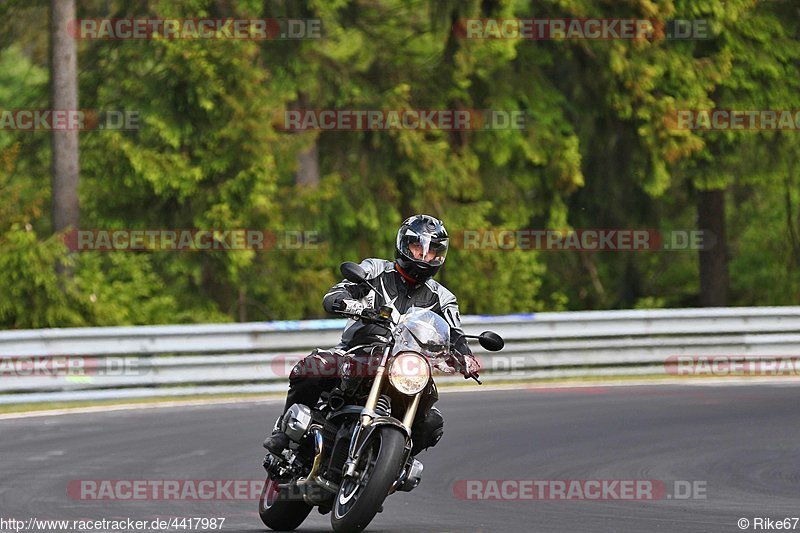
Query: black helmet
{"type": "Point", "coordinates": [421, 247]}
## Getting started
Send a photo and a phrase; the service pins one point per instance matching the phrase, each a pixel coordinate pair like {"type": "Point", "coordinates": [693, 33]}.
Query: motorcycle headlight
{"type": "Point", "coordinates": [409, 373]}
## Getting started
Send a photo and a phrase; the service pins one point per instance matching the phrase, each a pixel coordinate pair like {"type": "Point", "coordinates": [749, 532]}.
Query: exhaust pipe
{"type": "Point", "coordinates": [312, 485]}
{"type": "Point", "coordinates": [317, 459]}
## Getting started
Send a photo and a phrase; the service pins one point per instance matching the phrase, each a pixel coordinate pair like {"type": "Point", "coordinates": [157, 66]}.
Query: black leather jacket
{"type": "Point", "coordinates": [400, 295]}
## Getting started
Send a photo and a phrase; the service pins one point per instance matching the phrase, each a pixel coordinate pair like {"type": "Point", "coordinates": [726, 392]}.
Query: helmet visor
{"type": "Point", "coordinates": [423, 247]}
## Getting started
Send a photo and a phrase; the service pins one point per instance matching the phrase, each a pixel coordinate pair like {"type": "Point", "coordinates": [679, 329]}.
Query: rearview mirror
{"type": "Point", "coordinates": [491, 341]}
{"type": "Point", "coordinates": [353, 272]}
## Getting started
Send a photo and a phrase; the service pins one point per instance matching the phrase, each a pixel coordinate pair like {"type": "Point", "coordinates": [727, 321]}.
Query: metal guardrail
{"type": "Point", "coordinates": [140, 361]}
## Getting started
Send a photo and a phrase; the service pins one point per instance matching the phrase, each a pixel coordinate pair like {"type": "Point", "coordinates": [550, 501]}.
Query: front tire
{"type": "Point", "coordinates": [279, 513]}
{"type": "Point", "coordinates": [361, 497]}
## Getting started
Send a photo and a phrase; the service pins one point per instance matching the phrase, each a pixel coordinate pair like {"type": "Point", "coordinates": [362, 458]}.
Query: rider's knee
{"type": "Point", "coordinates": [319, 365]}
{"type": "Point", "coordinates": [428, 431]}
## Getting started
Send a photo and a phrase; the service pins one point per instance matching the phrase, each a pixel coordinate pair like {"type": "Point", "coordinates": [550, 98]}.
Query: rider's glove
{"type": "Point", "coordinates": [444, 366]}
{"type": "Point", "coordinates": [370, 313]}
{"type": "Point", "coordinates": [473, 365]}
{"type": "Point", "coordinates": [470, 366]}
{"type": "Point", "coordinates": [351, 307]}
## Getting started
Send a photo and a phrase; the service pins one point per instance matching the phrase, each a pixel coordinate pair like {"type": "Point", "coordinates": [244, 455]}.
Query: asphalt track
{"type": "Point", "coordinates": [742, 442]}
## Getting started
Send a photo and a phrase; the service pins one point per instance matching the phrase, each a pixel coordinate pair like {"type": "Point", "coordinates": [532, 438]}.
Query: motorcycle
{"type": "Point", "coordinates": [353, 449]}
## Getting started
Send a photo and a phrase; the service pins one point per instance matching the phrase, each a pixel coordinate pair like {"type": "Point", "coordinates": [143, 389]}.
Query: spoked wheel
{"type": "Point", "coordinates": [361, 495]}
{"type": "Point", "coordinates": [277, 511]}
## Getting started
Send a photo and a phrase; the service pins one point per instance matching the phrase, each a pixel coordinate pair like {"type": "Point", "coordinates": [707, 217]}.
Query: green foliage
{"type": "Point", "coordinates": [31, 293]}
{"type": "Point", "coordinates": [212, 152]}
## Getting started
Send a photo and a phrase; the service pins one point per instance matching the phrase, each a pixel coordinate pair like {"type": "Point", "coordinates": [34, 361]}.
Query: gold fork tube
{"type": "Point", "coordinates": [408, 419]}
{"type": "Point", "coordinates": [374, 393]}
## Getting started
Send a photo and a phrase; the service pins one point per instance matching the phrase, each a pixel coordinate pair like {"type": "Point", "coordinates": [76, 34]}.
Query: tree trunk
{"type": "Point", "coordinates": [308, 166]}
{"type": "Point", "coordinates": [64, 96]}
{"type": "Point", "coordinates": [307, 172]}
{"type": "Point", "coordinates": [242, 304]}
{"type": "Point", "coordinates": [713, 258]}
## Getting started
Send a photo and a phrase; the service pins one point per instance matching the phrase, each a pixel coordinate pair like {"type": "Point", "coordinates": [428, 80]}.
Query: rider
{"type": "Point", "coordinates": [420, 251]}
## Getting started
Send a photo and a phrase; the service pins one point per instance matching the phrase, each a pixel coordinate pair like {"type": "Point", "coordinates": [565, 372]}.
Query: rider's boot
{"type": "Point", "coordinates": [277, 442]}
{"type": "Point", "coordinates": [309, 377]}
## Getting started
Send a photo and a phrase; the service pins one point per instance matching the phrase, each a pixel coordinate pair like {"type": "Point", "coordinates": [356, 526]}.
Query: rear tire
{"type": "Point", "coordinates": [358, 501]}
{"type": "Point", "coordinates": [278, 513]}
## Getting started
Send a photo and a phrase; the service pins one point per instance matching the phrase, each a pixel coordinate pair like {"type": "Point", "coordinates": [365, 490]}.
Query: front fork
{"type": "Point", "coordinates": [370, 420]}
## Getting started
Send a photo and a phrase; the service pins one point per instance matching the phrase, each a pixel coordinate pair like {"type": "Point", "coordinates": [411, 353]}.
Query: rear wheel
{"type": "Point", "coordinates": [277, 511]}
{"type": "Point", "coordinates": [361, 496]}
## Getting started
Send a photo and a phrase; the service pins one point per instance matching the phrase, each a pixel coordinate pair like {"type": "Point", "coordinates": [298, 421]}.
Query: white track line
{"type": "Point", "coordinates": [137, 406]}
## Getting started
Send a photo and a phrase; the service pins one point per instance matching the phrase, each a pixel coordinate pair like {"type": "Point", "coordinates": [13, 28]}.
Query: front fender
{"type": "Point", "coordinates": [377, 423]}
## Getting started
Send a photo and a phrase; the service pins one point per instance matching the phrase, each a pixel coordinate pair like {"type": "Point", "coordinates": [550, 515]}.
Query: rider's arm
{"type": "Point", "coordinates": [347, 292]}
{"type": "Point", "coordinates": [342, 294]}
{"type": "Point", "coordinates": [449, 311]}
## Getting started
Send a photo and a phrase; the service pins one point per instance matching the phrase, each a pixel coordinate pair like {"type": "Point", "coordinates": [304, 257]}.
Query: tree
{"type": "Point", "coordinates": [64, 96]}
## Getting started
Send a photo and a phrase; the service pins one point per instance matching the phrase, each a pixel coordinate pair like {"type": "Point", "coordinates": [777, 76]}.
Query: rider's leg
{"type": "Point", "coordinates": [428, 426]}
{"type": "Point", "coordinates": [426, 430]}
{"type": "Point", "coordinates": [309, 378]}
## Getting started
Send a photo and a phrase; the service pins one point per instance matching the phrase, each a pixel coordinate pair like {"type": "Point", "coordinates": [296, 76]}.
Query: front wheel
{"type": "Point", "coordinates": [277, 511]}
{"type": "Point", "coordinates": [361, 496]}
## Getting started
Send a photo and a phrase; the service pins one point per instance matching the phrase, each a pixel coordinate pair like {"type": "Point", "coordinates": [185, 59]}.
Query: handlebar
{"type": "Point", "coordinates": [372, 317]}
